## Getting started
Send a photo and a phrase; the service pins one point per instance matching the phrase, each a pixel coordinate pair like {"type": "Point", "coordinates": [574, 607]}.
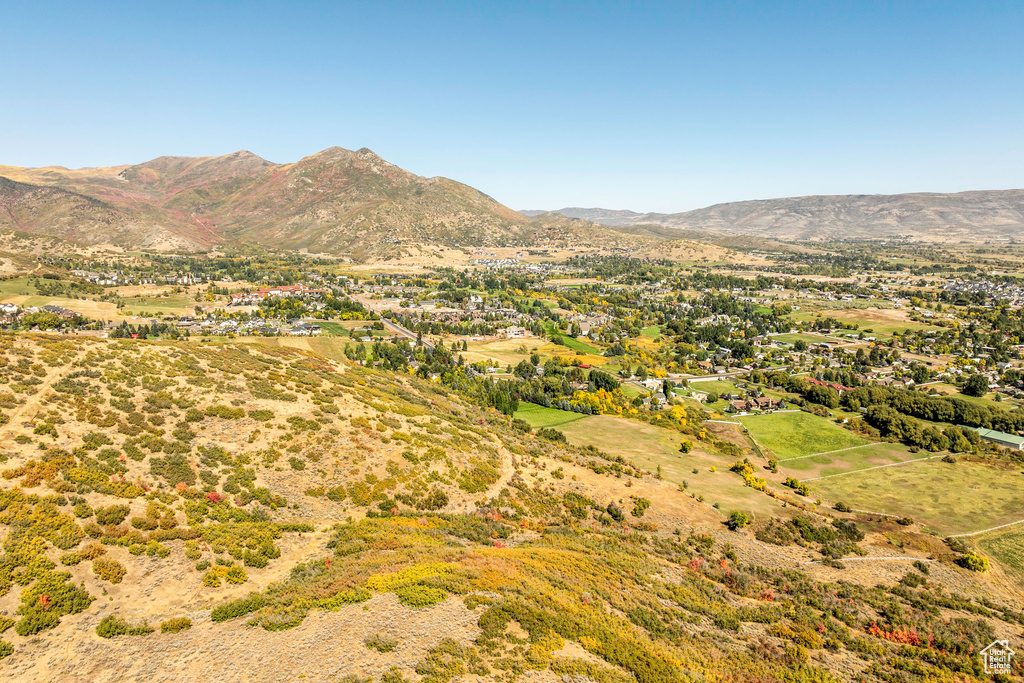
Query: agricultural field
{"type": "Point", "coordinates": [792, 338]}
{"type": "Point", "coordinates": [719, 386]}
{"type": "Point", "coordinates": [333, 328]}
{"type": "Point", "coordinates": [947, 498]}
{"type": "Point", "coordinates": [881, 321]}
{"type": "Point", "coordinates": [577, 345]}
{"type": "Point", "coordinates": [539, 416]}
{"type": "Point", "coordinates": [850, 460]}
{"type": "Point", "coordinates": [797, 433]}
{"type": "Point", "coordinates": [159, 306]}
{"type": "Point", "coordinates": [504, 351]}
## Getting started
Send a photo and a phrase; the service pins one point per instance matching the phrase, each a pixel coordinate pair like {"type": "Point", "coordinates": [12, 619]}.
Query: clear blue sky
{"type": "Point", "coordinates": [648, 106]}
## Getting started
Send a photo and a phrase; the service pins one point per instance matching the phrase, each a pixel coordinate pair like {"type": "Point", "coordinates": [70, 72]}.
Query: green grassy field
{"type": "Point", "coordinates": [791, 435]}
{"type": "Point", "coordinates": [1006, 546]}
{"type": "Point", "coordinates": [158, 305]}
{"type": "Point", "coordinates": [719, 386]}
{"type": "Point", "coordinates": [539, 416]}
{"type": "Point", "coordinates": [628, 389]}
{"type": "Point", "coordinates": [949, 499]}
{"type": "Point", "coordinates": [577, 345]}
{"type": "Point", "coordinates": [859, 458]}
{"type": "Point", "coordinates": [653, 332]}
{"type": "Point", "coordinates": [17, 287]}
{"type": "Point", "coordinates": [650, 447]}
{"type": "Point", "coordinates": [333, 328]}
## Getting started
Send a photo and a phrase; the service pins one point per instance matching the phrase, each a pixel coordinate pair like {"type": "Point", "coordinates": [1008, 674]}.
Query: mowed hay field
{"type": "Point", "coordinates": [505, 351]}
{"type": "Point", "coordinates": [649, 447]}
{"type": "Point", "coordinates": [1006, 546]}
{"type": "Point", "coordinates": [859, 458]}
{"type": "Point", "coordinates": [947, 498]}
{"type": "Point", "coordinates": [795, 434]}
{"type": "Point", "coordinates": [539, 416]}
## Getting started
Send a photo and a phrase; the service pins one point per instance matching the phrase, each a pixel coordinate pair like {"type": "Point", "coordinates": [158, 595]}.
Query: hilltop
{"type": "Point", "coordinates": [964, 216]}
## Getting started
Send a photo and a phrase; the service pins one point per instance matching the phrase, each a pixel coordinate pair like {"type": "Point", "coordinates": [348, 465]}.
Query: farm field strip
{"type": "Point", "coordinates": [839, 450]}
{"type": "Point", "coordinates": [949, 499]}
{"type": "Point", "coordinates": [875, 467]}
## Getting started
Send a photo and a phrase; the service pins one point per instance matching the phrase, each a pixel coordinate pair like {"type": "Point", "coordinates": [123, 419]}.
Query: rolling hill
{"type": "Point", "coordinates": [177, 510]}
{"type": "Point", "coordinates": [964, 216]}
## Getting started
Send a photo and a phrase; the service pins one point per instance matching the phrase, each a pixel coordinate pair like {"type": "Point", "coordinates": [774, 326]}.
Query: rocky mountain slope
{"type": "Point", "coordinates": [963, 216]}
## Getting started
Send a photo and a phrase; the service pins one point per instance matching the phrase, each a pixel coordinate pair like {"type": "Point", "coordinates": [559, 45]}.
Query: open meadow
{"type": "Point", "coordinates": [795, 434]}
{"type": "Point", "coordinates": [650, 447]}
{"type": "Point", "coordinates": [946, 498]}
{"type": "Point", "coordinates": [881, 321]}
{"type": "Point", "coordinates": [850, 460]}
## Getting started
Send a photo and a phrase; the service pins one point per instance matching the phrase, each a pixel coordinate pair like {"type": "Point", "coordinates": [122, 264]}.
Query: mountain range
{"type": "Point", "coordinates": [963, 216]}
{"type": "Point", "coordinates": [337, 201]}
{"type": "Point", "coordinates": [356, 204]}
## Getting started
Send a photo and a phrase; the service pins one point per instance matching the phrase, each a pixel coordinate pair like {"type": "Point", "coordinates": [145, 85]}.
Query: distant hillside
{"type": "Point", "coordinates": [337, 202]}
{"type": "Point", "coordinates": [604, 216]}
{"type": "Point", "coordinates": [964, 216]}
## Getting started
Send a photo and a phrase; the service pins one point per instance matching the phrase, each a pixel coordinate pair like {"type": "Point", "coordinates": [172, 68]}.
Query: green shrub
{"type": "Point", "coordinates": [36, 621]}
{"type": "Point", "coordinates": [175, 625]}
{"type": "Point", "coordinates": [973, 561]}
{"type": "Point", "coordinates": [225, 412]}
{"type": "Point", "coordinates": [70, 559]}
{"type": "Point", "coordinates": [174, 468]}
{"type": "Point", "coordinates": [238, 608]}
{"type": "Point", "coordinates": [112, 515]}
{"type": "Point", "coordinates": [5, 649]}
{"type": "Point", "coordinates": [551, 434]}
{"type": "Point", "coordinates": [92, 551]}
{"type": "Point", "coordinates": [112, 625]}
{"type": "Point", "coordinates": [109, 569]}
{"type": "Point", "coordinates": [737, 520]}
{"type": "Point", "coordinates": [418, 595]}
{"type": "Point", "coordinates": [5, 623]}
{"type": "Point", "coordinates": [261, 415]}
{"type": "Point", "coordinates": [381, 643]}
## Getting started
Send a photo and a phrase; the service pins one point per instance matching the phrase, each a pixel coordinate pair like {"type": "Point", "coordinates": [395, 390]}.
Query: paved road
{"type": "Point", "coordinates": [403, 332]}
